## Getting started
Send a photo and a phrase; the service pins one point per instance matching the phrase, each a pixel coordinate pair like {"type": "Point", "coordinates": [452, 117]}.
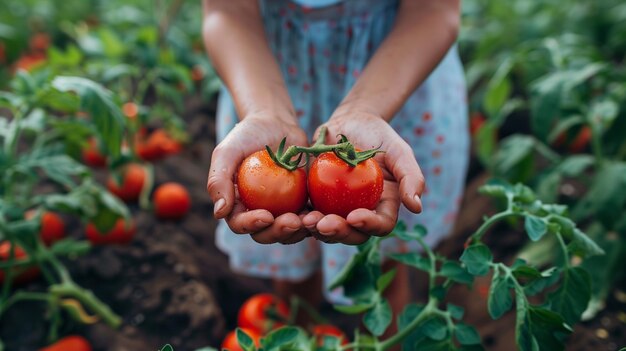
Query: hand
{"type": "Point", "coordinates": [249, 136]}
{"type": "Point", "coordinates": [403, 181]}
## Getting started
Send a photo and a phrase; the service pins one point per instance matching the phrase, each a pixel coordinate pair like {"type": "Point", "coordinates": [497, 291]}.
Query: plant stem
{"type": "Point", "coordinates": [402, 334]}
{"type": "Point", "coordinates": [297, 303]}
{"type": "Point", "coordinates": [89, 300]}
{"type": "Point", "coordinates": [566, 257]}
{"type": "Point", "coordinates": [497, 217]}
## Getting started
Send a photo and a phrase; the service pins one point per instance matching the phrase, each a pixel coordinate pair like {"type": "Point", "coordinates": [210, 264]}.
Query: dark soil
{"type": "Point", "coordinates": [172, 285]}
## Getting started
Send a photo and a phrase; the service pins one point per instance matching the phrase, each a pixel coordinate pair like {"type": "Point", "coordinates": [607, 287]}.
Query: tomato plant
{"type": "Point", "coordinates": [52, 227]}
{"type": "Point", "coordinates": [264, 184]}
{"type": "Point", "coordinates": [171, 201]}
{"type": "Point", "coordinates": [69, 343]}
{"type": "Point", "coordinates": [262, 313]}
{"type": "Point", "coordinates": [133, 179]}
{"type": "Point", "coordinates": [248, 336]}
{"type": "Point", "coordinates": [323, 331]}
{"type": "Point", "coordinates": [23, 274]}
{"type": "Point", "coordinates": [122, 233]}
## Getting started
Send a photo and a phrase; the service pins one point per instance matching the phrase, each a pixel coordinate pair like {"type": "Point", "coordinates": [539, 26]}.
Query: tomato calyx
{"type": "Point", "coordinates": [349, 154]}
{"type": "Point", "coordinates": [284, 158]}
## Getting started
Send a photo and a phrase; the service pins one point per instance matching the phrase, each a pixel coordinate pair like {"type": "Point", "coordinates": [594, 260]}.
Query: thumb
{"type": "Point", "coordinates": [220, 185]}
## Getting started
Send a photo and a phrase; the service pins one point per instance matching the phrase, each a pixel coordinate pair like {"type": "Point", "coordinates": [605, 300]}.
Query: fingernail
{"type": "Point", "coordinates": [290, 229]}
{"type": "Point", "coordinates": [219, 205]}
{"type": "Point", "coordinates": [261, 223]}
{"type": "Point", "coordinates": [358, 224]}
{"type": "Point", "coordinates": [327, 233]}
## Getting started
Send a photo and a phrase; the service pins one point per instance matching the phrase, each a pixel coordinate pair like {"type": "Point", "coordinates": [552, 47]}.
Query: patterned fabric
{"type": "Point", "coordinates": [321, 52]}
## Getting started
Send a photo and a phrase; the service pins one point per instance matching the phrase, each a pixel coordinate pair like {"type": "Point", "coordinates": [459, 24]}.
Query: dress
{"type": "Point", "coordinates": [321, 52]}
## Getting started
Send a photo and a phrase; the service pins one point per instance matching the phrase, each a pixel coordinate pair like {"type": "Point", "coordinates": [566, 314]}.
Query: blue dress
{"type": "Point", "coordinates": [321, 51]}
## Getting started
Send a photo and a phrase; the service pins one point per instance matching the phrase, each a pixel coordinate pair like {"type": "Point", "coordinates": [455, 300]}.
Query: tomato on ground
{"type": "Point", "coordinates": [322, 330]}
{"type": "Point", "coordinates": [133, 179]}
{"type": "Point", "coordinates": [69, 343]}
{"type": "Point", "coordinates": [91, 155]}
{"type": "Point", "coordinates": [52, 227]}
{"type": "Point", "coordinates": [24, 275]}
{"type": "Point", "coordinates": [262, 313]}
{"type": "Point", "coordinates": [263, 184]}
{"type": "Point", "coordinates": [335, 187]}
{"type": "Point", "coordinates": [171, 201]}
{"type": "Point", "coordinates": [121, 233]}
{"type": "Point", "coordinates": [230, 342]}
{"type": "Point", "coordinates": [156, 146]}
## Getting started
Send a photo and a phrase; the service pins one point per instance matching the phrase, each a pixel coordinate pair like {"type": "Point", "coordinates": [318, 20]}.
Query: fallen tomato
{"type": "Point", "coordinates": [133, 179]}
{"type": "Point", "coordinates": [336, 187]}
{"type": "Point", "coordinates": [69, 343]}
{"type": "Point", "coordinates": [230, 342]}
{"type": "Point", "coordinates": [263, 313]}
{"type": "Point", "coordinates": [171, 201]}
{"type": "Point", "coordinates": [121, 233]}
{"type": "Point", "coordinates": [263, 184]}
{"type": "Point", "coordinates": [321, 331]}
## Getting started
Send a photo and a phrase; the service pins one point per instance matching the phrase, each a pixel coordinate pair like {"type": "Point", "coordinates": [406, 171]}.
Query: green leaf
{"type": "Point", "coordinates": [513, 150]}
{"type": "Point", "coordinates": [244, 340]}
{"type": "Point", "coordinates": [526, 272]}
{"type": "Point", "coordinates": [499, 300]}
{"type": "Point", "coordinates": [466, 335]}
{"type": "Point", "coordinates": [498, 89]}
{"type": "Point", "coordinates": [575, 165]}
{"type": "Point", "coordinates": [427, 344]}
{"type": "Point", "coordinates": [358, 277]}
{"type": "Point", "coordinates": [413, 259]}
{"type": "Point", "coordinates": [167, 347]}
{"type": "Point", "coordinates": [477, 259]}
{"type": "Point", "coordinates": [435, 328]}
{"type": "Point", "coordinates": [60, 168]}
{"type": "Point", "coordinates": [419, 231]}
{"type": "Point", "coordinates": [284, 336]}
{"type": "Point", "coordinates": [378, 319]}
{"type": "Point", "coordinates": [548, 329]}
{"type": "Point", "coordinates": [572, 297]}
{"type": "Point", "coordinates": [455, 272]}
{"type": "Point", "coordinates": [456, 311]}
{"type": "Point", "coordinates": [548, 278]}
{"type": "Point", "coordinates": [353, 309]}
{"type": "Point", "coordinates": [384, 280]}
{"type": "Point", "coordinates": [536, 227]}
{"type": "Point", "coordinates": [496, 188]}
{"type": "Point", "coordinates": [486, 142]}
{"type": "Point", "coordinates": [602, 114]}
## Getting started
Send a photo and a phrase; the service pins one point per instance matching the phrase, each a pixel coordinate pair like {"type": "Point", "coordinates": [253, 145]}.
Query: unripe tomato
{"type": "Point", "coordinates": [230, 342]}
{"type": "Point", "coordinates": [171, 201]}
{"type": "Point", "coordinates": [52, 227]}
{"type": "Point", "coordinates": [322, 330]}
{"type": "Point", "coordinates": [24, 275]}
{"type": "Point", "coordinates": [133, 178]}
{"type": "Point", "coordinates": [121, 233]}
{"type": "Point", "coordinates": [263, 313]}
{"type": "Point", "coordinates": [69, 343]}
{"type": "Point", "coordinates": [92, 156]}
{"type": "Point", "coordinates": [263, 184]}
{"type": "Point", "coordinates": [335, 187]}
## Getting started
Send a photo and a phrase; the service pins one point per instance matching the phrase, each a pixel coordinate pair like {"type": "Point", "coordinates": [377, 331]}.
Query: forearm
{"type": "Point", "coordinates": [235, 41]}
{"type": "Point", "coordinates": [423, 33]}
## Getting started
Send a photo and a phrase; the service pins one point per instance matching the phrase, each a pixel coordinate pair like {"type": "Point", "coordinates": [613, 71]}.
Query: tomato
{"type": "Point", "coordinates": [39, 42]}
{"type": "Point", "coordinates": [157, 145]}
{"type": "Point", "coordinates": [24, 275]}
{"type": "Point", "coordinates": [581, 140]}
{"type": "Point", "coordinates": [338, 188]}
{"type": "Point", "coordinates": [476, 122]}
{"type": "Point", "coordinates": [171, 201]}
{"type": "Point", "coordinates": [263, 184]}
{"type": "Point", "coordinates": [230, 342]}
{"type": "Point", "coordinates": [28, 62]}
{"type": "Point", "coordinates": [133, 179]}
{"type": "Point", "coordinates": [322, 330]}
{"type": "Point", "coordinates": [121, 233]}
{"type": "Point", "coordinates": [69, 343]}
{"type": "Point", "coordinates": [262, 313]}
{"type": "Point", "coordinates": [92, 156]}
{"type": "Point", "coordinates": [130, 110]}
{"type": "Point", "coordinates": [52, 227]}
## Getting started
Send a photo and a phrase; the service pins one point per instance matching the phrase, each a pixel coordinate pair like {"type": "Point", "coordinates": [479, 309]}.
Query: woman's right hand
{"type": "Point", "coordinates": [248, 136]}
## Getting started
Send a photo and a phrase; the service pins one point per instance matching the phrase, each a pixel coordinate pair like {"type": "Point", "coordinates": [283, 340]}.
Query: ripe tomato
{"type": "Point", "coordinates": [581, 140]}
{"type": "Point", "coordinates": [230, 342]}
{"type": "Point", "coordinates": [263, 184]}
{"type": "Point", "coordinates": [39, 42]}
{"type": "Point", "coordinates": [24, 275]}
{"type": "Point", "coordinates": [29, 62]}
{"type": "Point", "coordinates": [171, 201]}
{"type": "Point", "coordinates": [262, 313]}
{"type": "Point", "coordinates": [322, 330]}
{"type": "Point", "coordinates": [476, 122]}
{"type": "Point", "coordinates": [338, 188]}
{"type": "Point", "coordinates": [130, 110]}
{"type": "Point", "coordinates": [156, 146]}
{"type": "Point", "coordinates": [52, 227]}
{"type": "Point", "coordinates": [134, 176]}
{"type": "Point", "coordinates": [69, 343]}
{"type": "Point", "coordinates": [122, 233]}
{"type": "Point", "coordinates": [92, 156]}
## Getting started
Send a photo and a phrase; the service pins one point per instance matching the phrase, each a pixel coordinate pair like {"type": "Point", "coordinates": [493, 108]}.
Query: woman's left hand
{"type": "Point", "coordinates": [404, 181]}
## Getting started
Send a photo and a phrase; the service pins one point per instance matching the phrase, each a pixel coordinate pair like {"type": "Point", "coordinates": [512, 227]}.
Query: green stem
{"type": "Point", "coordinates": [430, 308]}
{"type": "Point", "coordinates": [596, 147]}
{"type": "Point", "coordinates": [566, 257]}
{"type": "Point", "coordinates": [297, 303]}
{"type": "Point", "coordinates": [88, 299]}
{"type": "Point", "coordinates": [488, 223]}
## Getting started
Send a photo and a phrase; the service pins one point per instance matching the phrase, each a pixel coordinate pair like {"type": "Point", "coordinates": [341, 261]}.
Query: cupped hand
{"type": "Point", "coordinates": [404, 181]}
{"type": "Point", "coordinates": [247, 137]}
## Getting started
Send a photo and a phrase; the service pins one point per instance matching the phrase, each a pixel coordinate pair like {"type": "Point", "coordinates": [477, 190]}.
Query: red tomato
{"type": "Point", "coordinates": [338, 188]}
{"type": "Point", "coordinates": [24, 275]}
{"type": "Point", "coordinates": [122, 233]}
{"type": "Point", "coordinates": [157, 146]}
{"type": "Point", "coordinates": [52, 227]}
{"type": "Point", "coordinates": [69, 343]}
{"type": "Point", "coordinates": [29, 62]}
{"type": "Point", "coordinates": [476, 122]}
{"type": "Point", "coordinates": [171, 201]}
{"type": "Point", "coordinates": [134, 177]}
{"type": "Point", "coordinates": [130, 110]}
{"type": "Point", "coordinates": [92, 156]}
{"type": "Point", "coordinates": [322, 330]}
{"type": "Point", "coordinates": [230, 342]}
{"type": "Point", "coordinates": [581, 140]}
{"type": "Point", "coordinates": [262, 313]}
{"type": "Point", "coordinates": [263, 184]}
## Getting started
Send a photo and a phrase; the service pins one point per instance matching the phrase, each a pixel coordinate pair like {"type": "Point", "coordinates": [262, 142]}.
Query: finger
{"type": "Point", "coordinates": [335, 228]}
{"type": "Point", "coordinates": [242, 221]}
{"type": "Point", "coordinates": [285, 228]}
{"type": "Point", "coordinates": [310, 220]}
{"type": "Point", "coordinates": [220, 186]}
{"type": "Point", "coordinates": [383, 219]}
{"type": "Point", "coordinates": [400, 160]}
